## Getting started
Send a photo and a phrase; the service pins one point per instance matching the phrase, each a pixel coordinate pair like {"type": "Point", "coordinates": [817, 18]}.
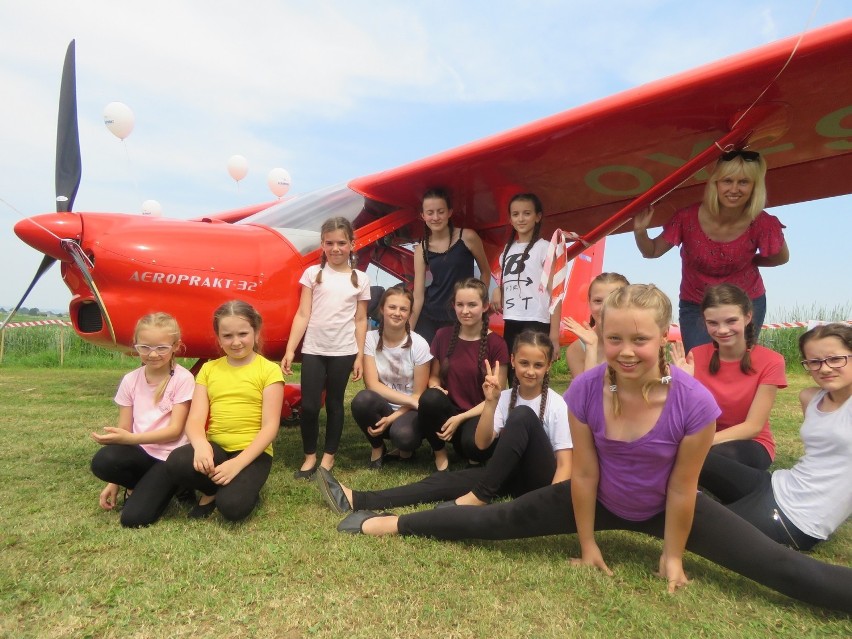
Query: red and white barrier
{"type": "Point", "coordinates": [38, 323]}
{"type": "Point", "coordinates": [808, 324]}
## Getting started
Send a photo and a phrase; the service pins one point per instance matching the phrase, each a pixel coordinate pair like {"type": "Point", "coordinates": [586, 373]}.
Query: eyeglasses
{"type": "Point", "coordinates": [835, 361]}
{"type": "Point", "coordinates": [747, 156]}
{"type": "Point", "coordinates": [145, 349]}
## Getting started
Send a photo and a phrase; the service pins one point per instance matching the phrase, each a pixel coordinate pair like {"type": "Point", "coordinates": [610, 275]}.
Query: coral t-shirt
{"type": "Point", "coordinates": [734, 390]}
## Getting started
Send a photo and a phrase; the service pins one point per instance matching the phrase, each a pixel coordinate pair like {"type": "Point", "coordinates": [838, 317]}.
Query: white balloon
{"type": "Point", "coordinates": [152, 208]}
{"type": "Point", "coordinates": [119, 119]}
{"type": "Point", "coordinates": [237, 167]}
{"type": "Point", "coordinates": [278, 181]}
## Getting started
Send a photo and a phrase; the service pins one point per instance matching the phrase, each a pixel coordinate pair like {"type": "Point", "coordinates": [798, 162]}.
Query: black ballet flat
{"type": "Point", "coordinates": [202, 512]}
{"type": "Point", "coordinates": [354, 522]}
{"type": "Point", "coordinates": [305, 474]}
{"type": "Point", "coordinates": [332, 492]}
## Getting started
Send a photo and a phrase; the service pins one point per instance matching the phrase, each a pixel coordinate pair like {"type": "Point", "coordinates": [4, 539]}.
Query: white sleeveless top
{"type": "Point", "coordinates": [816, 493]}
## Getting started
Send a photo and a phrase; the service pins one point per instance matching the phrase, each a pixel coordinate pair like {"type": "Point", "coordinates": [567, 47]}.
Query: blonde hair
{"type": "Point", "coordinates": [645, 297]}
{"type": "Point", "coordinates": [168, 324]}
{"type": "Point", "coordinates": [754, 170]}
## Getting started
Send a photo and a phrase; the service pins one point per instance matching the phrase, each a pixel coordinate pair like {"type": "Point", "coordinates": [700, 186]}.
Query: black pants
{"type": "Point", "coordinates": [368, 407]}
{"type": "Point", "coordinates": [434, 409]}
{"type": "Point", "coordinates": [427, 327]}
{"type": "Point", "coordinates": [748, 492]}
{"type": "Point", "coordinates": [330, 374]}
{"type": "Point", "coordinates": [717, 534]}
{"type": "Point", "coordinates": [131, 467]}
{"type": "Point", "coordinates": [523, 461]}
{"type": "Point", "coordinates": [513, 328]}
{"type": "Point", "coordinates": [235, 500]}
{"type": "Point", "coordinates": [744, 451]}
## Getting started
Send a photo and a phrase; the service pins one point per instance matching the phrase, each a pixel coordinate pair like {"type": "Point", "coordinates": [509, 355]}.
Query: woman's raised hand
{"type": "Point", "coordinates": [491, 386]}
{"type": "Point", "coordinates": [684, 362]}
{"type": "Point", "coordinates": [642, 220]}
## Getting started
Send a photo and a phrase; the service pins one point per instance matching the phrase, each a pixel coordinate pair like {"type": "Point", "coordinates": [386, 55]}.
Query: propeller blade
{"type": "Point", "coordinates": [46, 263]}
{"type": "Point", "coordinates": [82, 263]}
{"type": "Point", "coordinates": [69, 167]}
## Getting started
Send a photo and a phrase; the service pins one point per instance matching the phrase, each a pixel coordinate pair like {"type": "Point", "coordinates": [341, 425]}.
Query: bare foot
{"type": "Point", "coordinates": [378, 526]}
{"type": "Point", "coordinates": [327, 461]}
{"type": "Point", "coordinates": [469, 499]}
{"type": "Point", "coordinates": [309, 463]}
{"type": "Point", "coordinates": [442, 462]}
{"type": "Point", "coordinates": [348, 492]}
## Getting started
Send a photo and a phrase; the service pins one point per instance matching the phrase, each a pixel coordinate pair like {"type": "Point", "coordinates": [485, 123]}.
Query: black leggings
{"type": "Point", "coordinates": [748, 492]}
{"type": "Point", "coordinates": [330, 374]}
{"type": "Point", "coordinates": [434, 409]}
{"type": "Point", "coordinates": [513, 328]}
{"type": "Point", "coordinates": [131, 467]}
{"type": "Point", "coordinates": [523, 461]}
{"type": "Point", "coordinates": [235, 500]}
{"type": "Point", "coordinates": [717, 534]}
{"type": "Point", "coordinates": [368, 407]}
{"type": "Point", "coordinates": [745, 451]}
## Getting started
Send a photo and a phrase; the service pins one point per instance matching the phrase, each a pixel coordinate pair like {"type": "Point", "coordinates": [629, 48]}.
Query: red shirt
{"type": "Point", "coordinates": [734, 390]}
{"type": "Point", "coordinates": [706, 262]}
{"type": "Point", "coordinates": [464, 382]}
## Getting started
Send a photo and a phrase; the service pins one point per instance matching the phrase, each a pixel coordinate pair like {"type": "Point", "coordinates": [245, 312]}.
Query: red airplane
{"type": "Point", "coordinates": [594, 167]}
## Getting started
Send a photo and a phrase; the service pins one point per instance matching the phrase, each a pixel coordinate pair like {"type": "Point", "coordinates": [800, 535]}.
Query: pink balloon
{"type": "Point", "coordinates": [278, 181]}
{"type": "Point", "coordinates": [237, 167]}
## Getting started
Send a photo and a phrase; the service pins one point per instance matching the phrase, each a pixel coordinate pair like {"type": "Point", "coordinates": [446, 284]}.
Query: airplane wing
{"type": "Point", "coordinates": [791, 100]}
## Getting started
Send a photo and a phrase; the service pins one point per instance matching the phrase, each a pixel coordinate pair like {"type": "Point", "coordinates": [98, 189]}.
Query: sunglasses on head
{"type": "Point", "coordinates": [747, 156]}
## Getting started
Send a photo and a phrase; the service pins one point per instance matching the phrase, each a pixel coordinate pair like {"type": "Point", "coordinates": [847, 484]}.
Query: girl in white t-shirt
{"type": "Point", "coordinates": [332, 317]}
{"type": "Point", "coordinates": [153, 403]}
{"type": "Point", "coordinates": [523, 304]}
{"type": "Point", "coordinates": [396, 372]}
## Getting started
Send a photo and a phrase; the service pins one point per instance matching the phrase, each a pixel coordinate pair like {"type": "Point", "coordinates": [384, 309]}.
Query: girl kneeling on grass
{"type": "Point", "coordinates": [396, 371]}
{"type": "Point", "coordinates": [804, 505]}
{"type": "Point", "coordinates": [153, 404]}
{"type": "Point", "coordinates": [641, 432]}
{"type": "Point", "coordinates": [242, 392]}
{"type": "Point", "coordinates": [529, 423]}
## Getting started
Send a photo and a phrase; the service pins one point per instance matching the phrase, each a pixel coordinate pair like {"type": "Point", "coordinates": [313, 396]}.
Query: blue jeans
{"type": "Point", "coordinates": [692, 329]}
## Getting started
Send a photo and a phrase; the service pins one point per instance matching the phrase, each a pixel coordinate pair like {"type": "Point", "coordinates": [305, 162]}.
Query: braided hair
{"type": "Point", "coordinates": [644, 297]}
{"type": "Point", "coordinates": [730, 295]}
{"type": "Point", "coordinates": [529, 337]}
{"type": "Point", "coordinates": [439, 194]}
{"type": "Point", "coordinates": [533, 199]}
{"type": "Point", "coordinates": [338, 224]}
{"type": "Point", "coordinates": [477, 285]}
{"type": "Point", "coordinates": [403, 292]}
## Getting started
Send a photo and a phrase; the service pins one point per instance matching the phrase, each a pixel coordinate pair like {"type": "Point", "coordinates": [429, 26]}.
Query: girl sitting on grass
{"type": "Point", "coordinates": [528, 422]}
{"type": "Point", "coordinates": [641, 431]}
{"type": "Point", "coordinates": [153, 404]}
{"type": "Point", "coordinates": [242, 393]}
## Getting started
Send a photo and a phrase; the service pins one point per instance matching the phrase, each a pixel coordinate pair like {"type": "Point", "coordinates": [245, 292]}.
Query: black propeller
{"type": "Point", "coordinates": [69, 167]}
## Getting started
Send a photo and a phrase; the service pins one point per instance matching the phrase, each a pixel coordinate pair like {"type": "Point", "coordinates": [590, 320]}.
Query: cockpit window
{"type": "Point", "coordinates": [299, 219]}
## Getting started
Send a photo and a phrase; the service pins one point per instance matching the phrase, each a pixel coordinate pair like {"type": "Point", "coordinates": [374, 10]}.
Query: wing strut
{"type": "Point", "coordinates": [657, 192]}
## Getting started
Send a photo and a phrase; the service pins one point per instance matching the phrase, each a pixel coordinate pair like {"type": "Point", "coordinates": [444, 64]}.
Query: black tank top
{"type": "Point", "coordinates": [447, 268]}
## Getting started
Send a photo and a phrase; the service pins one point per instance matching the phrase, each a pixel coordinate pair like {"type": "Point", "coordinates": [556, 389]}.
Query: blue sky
{"type": "Point", "coordinates": [334, 90]}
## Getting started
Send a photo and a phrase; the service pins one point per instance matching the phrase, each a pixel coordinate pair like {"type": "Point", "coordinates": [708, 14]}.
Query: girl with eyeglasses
{"type": "Point", "coordinates": [723, 239]}
{"type": "Point", "coordinates": [744, 377]}
{"type": "Point", "coordinates": [153, 403]}
{"type": "Point", "coordinates": [804, 505]}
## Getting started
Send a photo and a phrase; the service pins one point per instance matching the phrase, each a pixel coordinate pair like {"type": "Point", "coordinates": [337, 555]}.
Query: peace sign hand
{"type": "Point", "coordinates": [491, 386]}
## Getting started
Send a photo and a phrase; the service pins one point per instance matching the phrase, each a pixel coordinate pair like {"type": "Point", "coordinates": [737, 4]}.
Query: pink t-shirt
{"type": "Point", "coordinates": [136, 392]}
{"type": "Point", "coordinates": [705, 262]}
{"type": "Point", "coordinates": [734, 391]}
{"type": "Point", "coordinates": [331, 327]}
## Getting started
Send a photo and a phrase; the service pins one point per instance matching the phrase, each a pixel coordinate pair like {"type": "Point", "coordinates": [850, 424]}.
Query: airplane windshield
{"type": "Point", "coordinates": [299, 218]}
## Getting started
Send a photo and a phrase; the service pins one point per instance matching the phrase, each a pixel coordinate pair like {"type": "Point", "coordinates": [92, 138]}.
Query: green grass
{"type": "Point", "coordinates": [69, 570]}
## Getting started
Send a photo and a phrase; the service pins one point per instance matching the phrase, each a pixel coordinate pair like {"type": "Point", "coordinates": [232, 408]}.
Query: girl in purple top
{"type": "Point", "coordinates": [641, 431]}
